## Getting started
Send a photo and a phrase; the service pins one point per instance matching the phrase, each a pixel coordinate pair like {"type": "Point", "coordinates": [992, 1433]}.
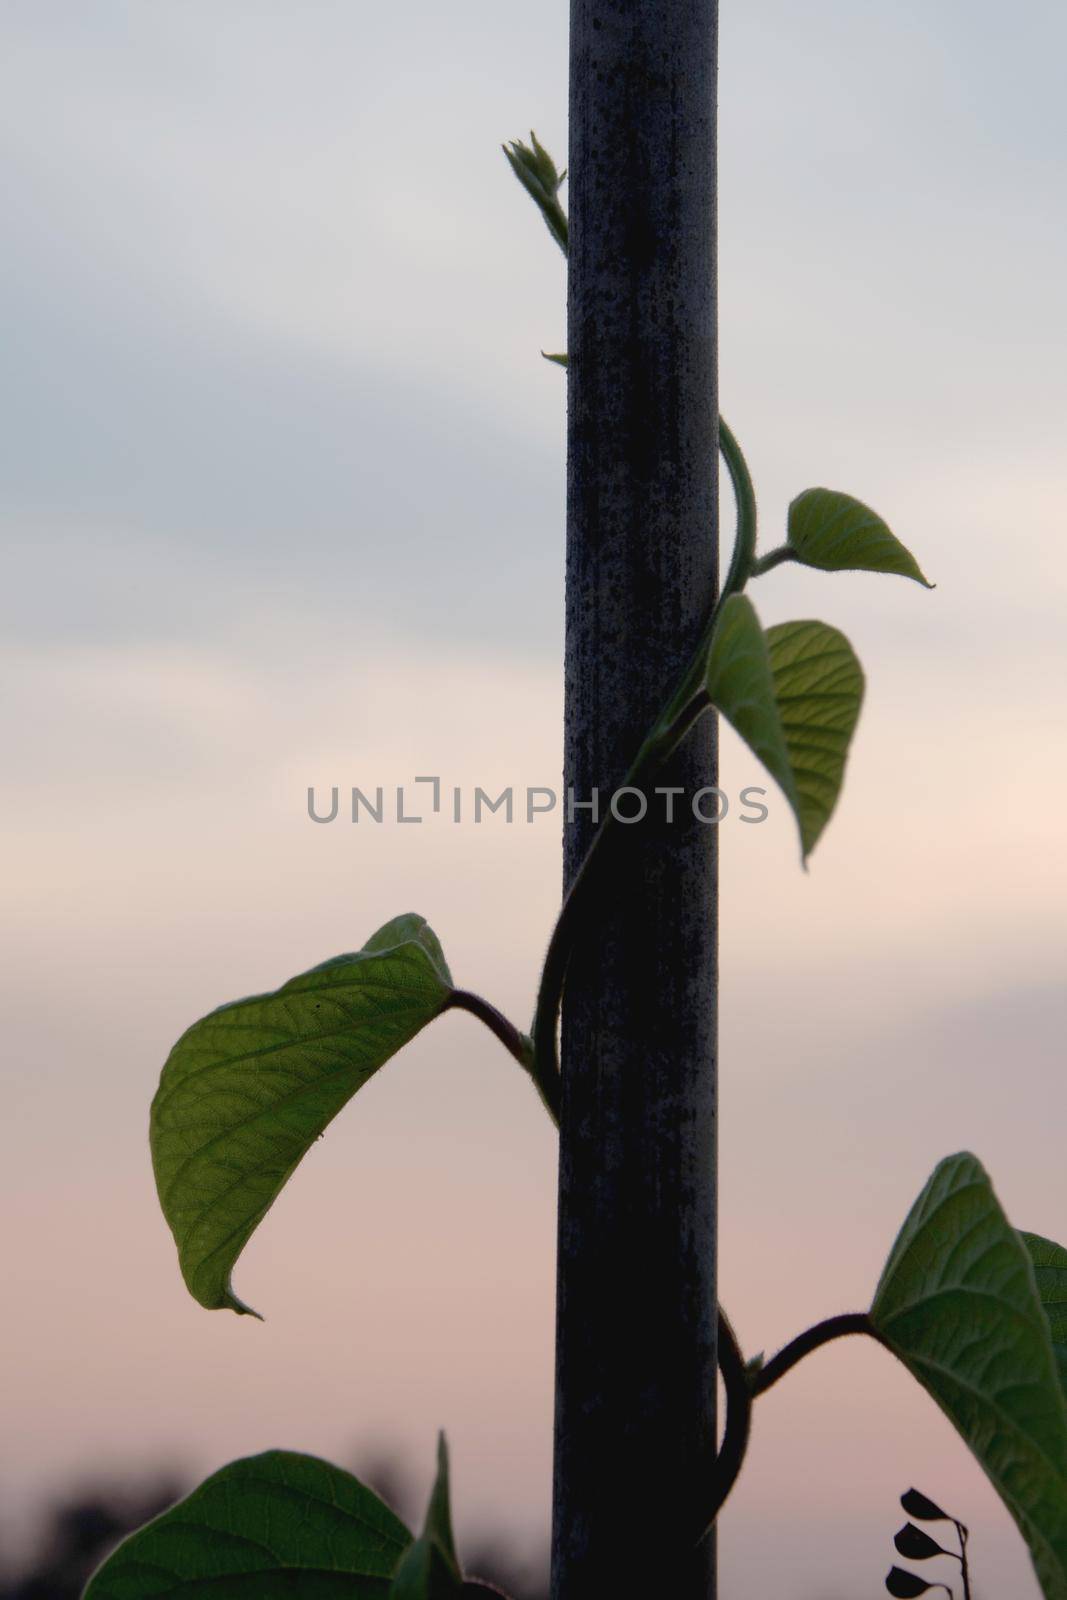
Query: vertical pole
{"type": "Point", "coordinates": [635, 1373]}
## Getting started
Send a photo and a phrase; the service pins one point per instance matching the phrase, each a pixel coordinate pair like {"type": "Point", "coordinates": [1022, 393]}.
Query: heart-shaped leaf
{"type": "Point", "coordinates": [958, 1304]}
{"type": "Point", "coordinates": [740, 683]}
{"type": "Point", "coordinates": [250, 1087]}
{"type": "Point", "coordinates": [1050, 1270]}
{"type": "Point", "coordinates": [429, 1569]}
{"type": "Point", "coordinates": [793, 693]}
{"type": "Point", "coordinates": [836, 533]}
{"type": "Point", "coordinates": [818, 684]}
{"type": "Point", "coordinates": [272, 1526]}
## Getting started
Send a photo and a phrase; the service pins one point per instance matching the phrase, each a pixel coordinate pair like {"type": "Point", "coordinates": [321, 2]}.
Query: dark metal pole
{"type": "Point", "coordinates": [635, 1374]}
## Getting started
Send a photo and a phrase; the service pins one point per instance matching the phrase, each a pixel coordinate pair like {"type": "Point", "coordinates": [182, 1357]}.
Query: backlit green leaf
{"type": "Point", "coordinates": [819, 687]}
{"type": "Point", "coordinates": [793, 693]}
{"type": "Point", "coordinates": [536, 171]}
{"type": "Point", "coordinates": [740, 684]}
{"type": "Point", "coordinates": [270, 1527]}
{"type": "Point", "coordinates": [836, 533]}
{"type": "Point", "coordinates": [430, 1569]}
{"type": "Point", "coordinates": [1050, 1270]}
{"type": "Point", "coordinates": [958, 1304]}
{"type": "Point", "coordinates": [249, 1088]}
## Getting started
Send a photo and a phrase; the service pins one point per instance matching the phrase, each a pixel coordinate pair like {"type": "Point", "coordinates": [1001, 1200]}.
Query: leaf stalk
{"type": "Point", "coordinates": [812, 1339]}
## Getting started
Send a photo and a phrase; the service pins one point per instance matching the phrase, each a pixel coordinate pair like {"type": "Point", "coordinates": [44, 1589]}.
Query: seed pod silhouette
{"type": "Point", "coordinates": [923, 1509]}
{"type": "Point", "coordinates": [916, 1545]}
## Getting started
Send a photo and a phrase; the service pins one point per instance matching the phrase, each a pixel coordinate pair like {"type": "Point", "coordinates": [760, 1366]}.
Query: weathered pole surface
{"type": "Point", "coordinates": [635, 1374]}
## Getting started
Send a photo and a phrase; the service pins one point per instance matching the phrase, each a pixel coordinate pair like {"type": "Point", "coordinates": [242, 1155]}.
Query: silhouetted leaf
{"type": "Point", "coordinates": [272, 1526]}
{"type": "Point", "coordinates": [957, 1303]}
{"type": "Point", "coordinates": [912, 1543]}
{"type": "Point", "coordinates": [1050, 1270]}
{"type": "Point", "coordinates": [429, 1569]}
{"type": "Point", "coordinates": [923, 1509]}
{"type": "Point", "coordinates": [836, 533]}
{"type": "Point", "coordinates": [248, 1089]}
{"type": "Point", "coordinates": [819, 687]}
{"type": "Point", "coordinates": [906, 1585]}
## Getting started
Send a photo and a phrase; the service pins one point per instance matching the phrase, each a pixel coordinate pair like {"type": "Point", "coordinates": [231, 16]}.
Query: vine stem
{"type": "Point", "coordinates": [688, 703]}
{"type": "Point", "coordinates": [670, 726]}
{"type": "Point", "coordinates": [734, 1445]}
{"type": "Point", "coordinates": [731, 1453]}
{"type": "Point", "coordinates": [553, 975]}
{"type": "Point", "coordinates": [741, 1387]}
{"type": "Point", "coordinates": [684, 708]}
{"type": "Point", "coordinates": [965, 1572]}
{"type": "Point", "coordinates": [743, 562]}
{"type": "Point", "coordinates": [540, 1056]}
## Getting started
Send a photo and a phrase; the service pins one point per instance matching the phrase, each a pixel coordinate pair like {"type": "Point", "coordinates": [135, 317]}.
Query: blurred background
{"type": "Point", "coordinates": [282, 505]}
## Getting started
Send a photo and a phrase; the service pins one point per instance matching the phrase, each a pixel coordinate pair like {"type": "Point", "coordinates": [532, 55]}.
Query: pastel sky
{"type": "Point", "coordinates": [282, 504]}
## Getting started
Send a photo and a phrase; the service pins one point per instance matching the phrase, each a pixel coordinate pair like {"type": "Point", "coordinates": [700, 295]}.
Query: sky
{"type": "Point", "coordinates": [281, 504]}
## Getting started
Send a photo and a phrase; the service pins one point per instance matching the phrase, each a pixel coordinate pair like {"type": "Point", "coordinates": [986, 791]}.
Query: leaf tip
{"type": "Point", "coordinates": [231, 1302]}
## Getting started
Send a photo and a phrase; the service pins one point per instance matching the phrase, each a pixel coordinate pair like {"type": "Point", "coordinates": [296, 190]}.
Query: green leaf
{"type": "Point", "coordinates": [793, 694]}
{"type": "Point", "coordinates": [248, 1089]}
{"type": "Point", "coordinates": [740, 683]}
{"type": "Point", "coordinates": [819, 686]}
{"type": "Point", "coordinates": [561, 360]}
{"type": "Point", "coordinates": [957, 1303]}
{"type": "Point", "coordinates": [429, 1569]}
{"type": "Point", "coordinates": [836, 533]}
{"type": "Point", "coordinates": [270, 1527]}
{"type": "Point", "coordinates": [1049, 1262]}
{"type": "Point", "coordinates": [536, 171]}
